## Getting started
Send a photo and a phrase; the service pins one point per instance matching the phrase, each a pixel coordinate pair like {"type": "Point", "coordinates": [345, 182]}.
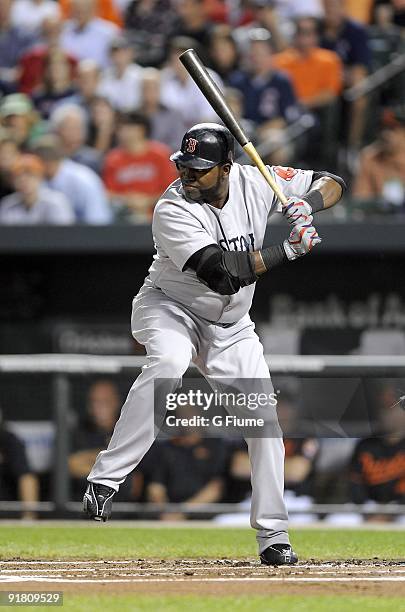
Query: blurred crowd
{"type": "Point", "coordinates": [191, 469]}
{"type": "Point", "coordinates": [93, 98]}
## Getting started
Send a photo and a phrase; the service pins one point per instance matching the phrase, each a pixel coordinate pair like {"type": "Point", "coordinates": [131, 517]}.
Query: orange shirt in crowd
{"type": "Point", "coordinates": [106, 9]}
{"type": "Point", "coordinates": [148, 173]}
{"type": "Point", "coordinates": [319, 71]}
{"type": "Point", "coordinates": [359, 10]}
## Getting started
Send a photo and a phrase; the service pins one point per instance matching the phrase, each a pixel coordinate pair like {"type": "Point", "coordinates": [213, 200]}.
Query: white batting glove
{"type": "Point", "coordinates": [301, 240]}
{"type": "Point", "coordinates": [297, 211]}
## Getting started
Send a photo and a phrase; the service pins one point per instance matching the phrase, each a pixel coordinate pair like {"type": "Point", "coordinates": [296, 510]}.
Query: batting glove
{"type": "Point", "coordinates": [297, 211]}
{"type": "Point", "coordinates": [301, 240]}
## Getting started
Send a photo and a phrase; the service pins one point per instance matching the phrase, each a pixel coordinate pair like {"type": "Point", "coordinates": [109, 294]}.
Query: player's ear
{"type": "Point", "coordinates": [226, 168]}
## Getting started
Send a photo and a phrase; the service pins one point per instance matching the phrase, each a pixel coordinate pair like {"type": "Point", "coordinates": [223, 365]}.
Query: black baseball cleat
{"type": "Point", "coordinates": [278, 554]}
{"type": "Point", "coordinates": [97, 501]}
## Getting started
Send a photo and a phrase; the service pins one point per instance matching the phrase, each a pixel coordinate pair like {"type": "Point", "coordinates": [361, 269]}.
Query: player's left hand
{"type": "Point", "coordinates": [301, 240]}
{"type": "Point", "coordinates": [297, 211]}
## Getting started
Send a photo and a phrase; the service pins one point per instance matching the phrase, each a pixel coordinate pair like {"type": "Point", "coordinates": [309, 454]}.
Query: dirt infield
{"type": "Point", "coordinates": [206, 577]}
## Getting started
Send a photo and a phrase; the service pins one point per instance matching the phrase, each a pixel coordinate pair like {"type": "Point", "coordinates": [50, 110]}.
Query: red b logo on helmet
{"type": "Point", "coordinates": [191, 144]}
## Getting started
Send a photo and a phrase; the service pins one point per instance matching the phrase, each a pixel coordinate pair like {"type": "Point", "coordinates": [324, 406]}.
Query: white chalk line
{"type": "Point", "coordinates": [280, 579]}
{"type": "Point", "coordinates": [51, 562]}
{"type": "Point", "coordinates": [141, 571]}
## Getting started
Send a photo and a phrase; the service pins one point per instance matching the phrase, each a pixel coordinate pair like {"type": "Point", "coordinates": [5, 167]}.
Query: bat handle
{"type": "Point", "coordinates": [250, 150]}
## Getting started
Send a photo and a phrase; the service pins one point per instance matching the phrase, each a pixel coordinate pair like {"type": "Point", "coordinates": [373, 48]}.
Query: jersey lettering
{"type": "Point", "coordinates": [233, 242]}
{"type": "Point", "coordinates": [239, 243]}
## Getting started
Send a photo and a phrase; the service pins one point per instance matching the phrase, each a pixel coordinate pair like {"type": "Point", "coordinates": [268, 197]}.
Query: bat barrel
{"type": "Point", "coordinates": [211, 91]}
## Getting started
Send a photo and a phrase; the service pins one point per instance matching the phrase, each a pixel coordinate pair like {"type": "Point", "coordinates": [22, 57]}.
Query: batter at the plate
{"type": "Point", "coordinates": [208, 228]}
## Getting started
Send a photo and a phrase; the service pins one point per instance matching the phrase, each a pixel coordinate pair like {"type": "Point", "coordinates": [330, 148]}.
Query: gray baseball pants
{"type": "Point", "coordinates": [173, 337]}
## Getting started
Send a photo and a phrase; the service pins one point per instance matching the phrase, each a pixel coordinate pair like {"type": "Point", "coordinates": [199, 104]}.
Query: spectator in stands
{"type": "Point", "coordinates": [102, 129]}
{"type": "Point", "coordinates": [224, 56]}
{"type": "Point", "coordinates": [32, 203]}
{"type": "Point", "coordinates": [316, 74]}
{"type": "Point", "coordinates": [166, 124]}
{"type": "Point", "coordinates": [121, 83]}
{"type": "Point", "coordinates": [22, 123]}
{"type": "Point", "coordinates": [349, 40]}
{"type": "Point", "coordinates": [29, 15]}
{"type": "Point", "coordinates": [33, 63]}
{"type": "Point", "coordinates": [88, 36]}
{"type": "Point", "coordinates": [94, 431]}
{"type": "Point", "coordinates": [399, 12]}
{"type": "Point", "coordinates": [268, 93]}
{"type": "Point", "coordinates": [381, 172]}
{"type": "Point", "coordinates": [317, 78]}
{"type": "Point", "coordinates": [105, 9]}
{"type": "Point", "coordinates": [138, 170]}
{"type": "Point", "coordinates": [377, 470]}
{"type": "Point", "coordinates": [195, 24]}
{"type": "Point", "coordinates": [265, 15]}
{"type": "Point", "coordinates": [300, 457]}
{"type": "Point", "coordinates": [177, 85]}
{"type": "Point", "coordinates": [151, 23]}
{"type": "Point", "coordinates": [9, 152]}
{"type": "Point", "coordinates": [56, 86]}
{"type": "Point", "coordinates": [14, 41]}
{"type": "Point", "coordinates": [82, 187]}
{"type": "Point", "coordinates": [190, 469]}
{"type": "Point", "coordinates": [300, 451]}
{"type": "Point", "coordinates": [17, 482]}
{"type": "Point", "coordinates": [385, 38]}
{"type": "Point", "coordinates": [386, 43]}
{"type": "Point", "coordinates": [69, 123]}
{"type": "Point", "coordinates": [269, 99]}
{"type": "Point", "coordinates": [88, 82]}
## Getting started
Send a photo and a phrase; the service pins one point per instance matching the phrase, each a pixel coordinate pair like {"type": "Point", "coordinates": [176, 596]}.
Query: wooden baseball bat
{"type": "Point", "coordinates": [215, 97]}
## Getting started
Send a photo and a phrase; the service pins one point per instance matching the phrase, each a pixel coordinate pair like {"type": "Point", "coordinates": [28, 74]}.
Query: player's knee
{"type": "Point", "coordinates": [172, 365]}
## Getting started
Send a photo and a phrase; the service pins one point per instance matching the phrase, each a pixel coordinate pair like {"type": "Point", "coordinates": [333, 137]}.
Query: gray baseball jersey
{"type": "Point", "coordinates": [181, 227]}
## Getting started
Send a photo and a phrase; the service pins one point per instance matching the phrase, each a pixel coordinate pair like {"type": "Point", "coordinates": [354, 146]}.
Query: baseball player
{"type": "Point", "coordinates": [208, 229]}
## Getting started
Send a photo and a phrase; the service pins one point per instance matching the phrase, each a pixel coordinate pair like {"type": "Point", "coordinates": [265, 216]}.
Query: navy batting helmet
{"type": "Point", "coordinates": [204, 146]}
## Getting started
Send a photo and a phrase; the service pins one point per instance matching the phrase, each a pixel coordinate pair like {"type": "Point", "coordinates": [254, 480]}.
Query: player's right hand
{"type": "Point", "coordinates": [297, 211]}
{"type": "Point", "coordinates": [301, 240]}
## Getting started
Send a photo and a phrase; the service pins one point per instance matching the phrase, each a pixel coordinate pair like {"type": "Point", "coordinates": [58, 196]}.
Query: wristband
{"type": "Point", "coordinates": [273, 256]}
{"type": "Point", "coordinates": [315, 200]}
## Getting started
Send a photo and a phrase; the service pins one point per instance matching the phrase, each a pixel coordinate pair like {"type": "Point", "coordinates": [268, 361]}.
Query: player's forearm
{"type": "Point", "coordinates": [276, 255]}
{"type": "Point", "coordinates": [157, 493]}
{"type": "Point", "coordinates": [81, 462]}
{"type": "Point", "coordinates": [330, 191]}
{"type": "Point", "coordinates": [296, 469]}
{"type": "Point", "coordinates": [208, 494]}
